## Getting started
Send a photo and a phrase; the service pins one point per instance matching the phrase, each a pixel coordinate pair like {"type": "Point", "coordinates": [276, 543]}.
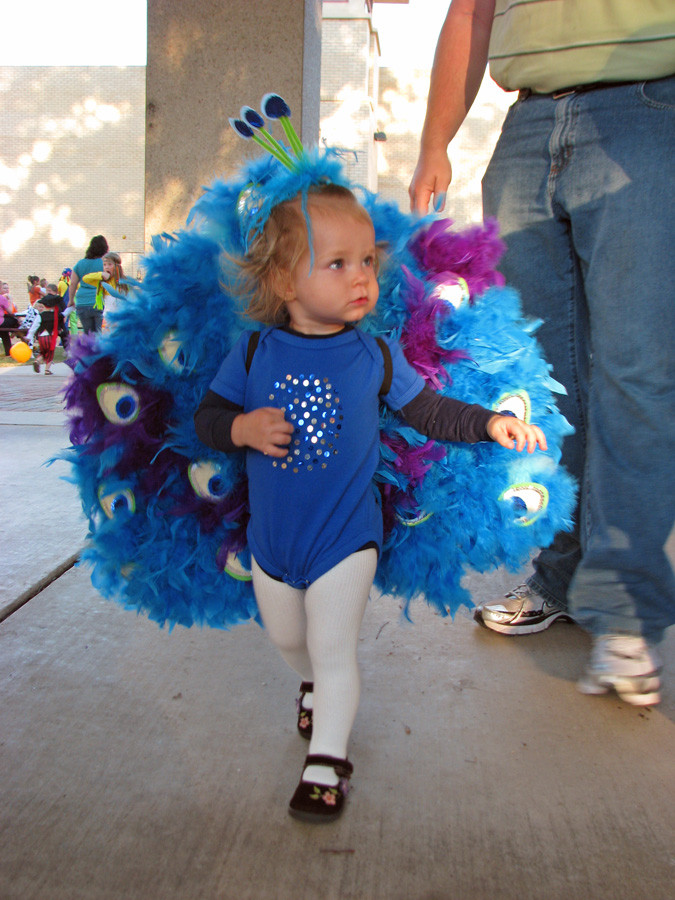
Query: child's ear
{"type": "Point", "coordinates": [283, 285]}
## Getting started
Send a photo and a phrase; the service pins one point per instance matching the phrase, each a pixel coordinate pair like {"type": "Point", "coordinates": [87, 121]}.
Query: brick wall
{"type": "Point", "coordinates": [72, 161]}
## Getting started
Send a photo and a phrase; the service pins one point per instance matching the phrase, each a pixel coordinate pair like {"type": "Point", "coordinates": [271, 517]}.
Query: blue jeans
{"type": "Point", "coordinates": [583, 189]}
{"type": "Point", "coordinates": [90, 319]}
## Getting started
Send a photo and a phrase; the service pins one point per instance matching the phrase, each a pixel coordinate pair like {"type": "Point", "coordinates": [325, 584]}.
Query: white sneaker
{"type": "Point", "coordinates": [521, 611]}
{"type": "Point", "coordinates": [628, 665]}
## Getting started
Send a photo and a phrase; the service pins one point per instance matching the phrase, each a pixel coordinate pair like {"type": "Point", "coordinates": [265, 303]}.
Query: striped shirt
{"type": "Point", "coordinates": [546, 45]}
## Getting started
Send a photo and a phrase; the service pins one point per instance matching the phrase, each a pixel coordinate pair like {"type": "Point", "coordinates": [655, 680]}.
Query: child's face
{"type": "Point", "coordinates": [109, 266]}
{"type": "Point", "coordinates": [340, 286]}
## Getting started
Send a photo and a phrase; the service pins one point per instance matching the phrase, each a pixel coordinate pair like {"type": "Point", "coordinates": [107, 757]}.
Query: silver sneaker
{"type": "Point", "coordinates": [628, 665]}
{"type": "Point", "coordinates": [522, 611]}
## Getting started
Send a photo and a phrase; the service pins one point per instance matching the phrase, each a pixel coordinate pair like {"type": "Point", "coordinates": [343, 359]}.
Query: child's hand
{"type": "Point", "coordinates": [511, 432]}
{"type": "Point", "coordinates": [263, 429]}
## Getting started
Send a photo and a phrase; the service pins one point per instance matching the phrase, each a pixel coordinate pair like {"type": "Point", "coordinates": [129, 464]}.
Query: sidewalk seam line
{"type": "Point", "coordinates": [39, 586]}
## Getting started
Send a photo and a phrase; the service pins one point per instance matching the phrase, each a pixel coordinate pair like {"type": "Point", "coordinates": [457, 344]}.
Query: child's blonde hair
{"type": "Point", "coordinates": [276, 252]}
{"type": "Point", "coordinates": [118, 272]}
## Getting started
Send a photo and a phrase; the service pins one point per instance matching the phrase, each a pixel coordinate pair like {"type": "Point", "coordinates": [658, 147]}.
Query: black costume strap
{"type": "Point", "coordinates": [250, 350]}
{"type": "Point", "coordinates": [388, 366]}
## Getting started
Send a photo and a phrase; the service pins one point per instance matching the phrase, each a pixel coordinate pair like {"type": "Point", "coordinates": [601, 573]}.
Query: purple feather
{"type": "Point", "coordinates": [411, 465]}
{"type": "Point", "coordinates": [419, 339]}
{"type": "Point", "coordinates": [472, 254]}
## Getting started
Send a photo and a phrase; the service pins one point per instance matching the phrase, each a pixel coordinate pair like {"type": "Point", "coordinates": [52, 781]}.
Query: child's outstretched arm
{"type": "Point", "coordinates": [225, 426]}
{"type": "Point", "coordinates": [446, 419]}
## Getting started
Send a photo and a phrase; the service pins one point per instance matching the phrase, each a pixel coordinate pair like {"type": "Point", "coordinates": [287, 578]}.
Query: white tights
{"type": "Point", "coordinates": [316, 631]}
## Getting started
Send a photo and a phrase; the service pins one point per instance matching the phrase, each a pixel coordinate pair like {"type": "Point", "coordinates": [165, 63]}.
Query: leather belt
{"type": "Point", "coordinates": [524, 93]}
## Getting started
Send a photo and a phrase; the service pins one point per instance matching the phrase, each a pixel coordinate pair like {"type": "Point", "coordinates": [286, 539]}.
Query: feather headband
{"type": "Point", "coordinates": [286, 172]}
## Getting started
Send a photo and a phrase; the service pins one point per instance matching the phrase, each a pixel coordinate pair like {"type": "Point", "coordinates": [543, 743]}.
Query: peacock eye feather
{"type": "Point", "coordinates": [252, 117]}
{"type": "Point", "coordinates": [516, 403]}
{"type": "Point", "coordinates": [235, 568]}
{"type": "Point", "coordinates": [411, 519]}
{"type": "Point", "coordinates": [274, 107]}
{"type": "Point", "coordinates": [117, 503]}
{"type": "Point", "coordinates": [172, 353]}
{"type": "Point", "coordinates": [119, 402]}
{"type": "Point", "coordinates": [206, 478]}
{"type": "Point", "coordinates": [242, 129]}
{"type": "Point", "coordinates": [454, 292]}
{"type": "Point", "coordinates": [529, 501]}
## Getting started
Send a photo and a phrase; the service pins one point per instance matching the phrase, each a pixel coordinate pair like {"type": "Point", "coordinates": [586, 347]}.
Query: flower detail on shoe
{"type": "Point", "coordinates": [327, 795]}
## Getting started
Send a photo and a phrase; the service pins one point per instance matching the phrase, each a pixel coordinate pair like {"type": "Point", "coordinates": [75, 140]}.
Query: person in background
{"type": "Point", "coordinates": [83, 295]}
{"type": "Point", "coordinates": [110, 279]}
{"type": "Point", "coordinates": [581, 182]}
{"type": "Point", "coordinates": [63, 288]}
{"type": "Point", "coordinates": [48, 329]}
{"type": "Point", "coordinates": [34, 289]}
{"type": "Point", "coordinates": [9, 319]}
{"type": "Point", "coordinates": [64, 284]}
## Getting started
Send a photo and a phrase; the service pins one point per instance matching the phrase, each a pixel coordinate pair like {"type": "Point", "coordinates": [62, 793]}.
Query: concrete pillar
{"type": "Point", "coordinates": [207, 58]}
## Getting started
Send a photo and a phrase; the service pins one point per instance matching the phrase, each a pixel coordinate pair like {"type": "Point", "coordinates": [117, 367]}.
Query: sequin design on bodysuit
{"type": "Point", "coordinates": [313, 407]}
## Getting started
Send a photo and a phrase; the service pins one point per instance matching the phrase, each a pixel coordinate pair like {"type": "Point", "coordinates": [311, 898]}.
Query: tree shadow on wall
{"type": "Point", "coordinates": [72, 164]}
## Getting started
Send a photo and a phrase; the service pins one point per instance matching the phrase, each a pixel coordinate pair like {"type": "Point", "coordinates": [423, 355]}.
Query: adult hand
{"type": "Point", "coordinates": [431, 178]}
{"type": "Point", "coordinates": [511, 432]}
{"type": "Point", "coordinates": [264, 429]}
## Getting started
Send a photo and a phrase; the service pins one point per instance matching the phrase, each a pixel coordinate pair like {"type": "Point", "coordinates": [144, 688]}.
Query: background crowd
{"type": "Point", "coordinates": [51, 311]}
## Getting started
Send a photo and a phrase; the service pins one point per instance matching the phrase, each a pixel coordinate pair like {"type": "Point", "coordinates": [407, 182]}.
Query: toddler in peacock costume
{"type": "Point", "coordinates": [291, 454]}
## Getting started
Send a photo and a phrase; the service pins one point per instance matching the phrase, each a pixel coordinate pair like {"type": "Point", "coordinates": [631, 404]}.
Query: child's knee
{"type": "Point", "coordinates": [289, 643]}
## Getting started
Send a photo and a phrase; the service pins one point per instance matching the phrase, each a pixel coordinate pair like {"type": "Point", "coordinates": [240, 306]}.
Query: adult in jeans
{"type": "Point", "coordinates": [83, 295]}
{"type": "Point", "coordinates": [581, 182]}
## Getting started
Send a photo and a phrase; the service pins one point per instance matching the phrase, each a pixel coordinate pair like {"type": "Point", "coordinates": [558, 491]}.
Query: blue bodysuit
{"type": "Point", "coordinates": [317, 505]}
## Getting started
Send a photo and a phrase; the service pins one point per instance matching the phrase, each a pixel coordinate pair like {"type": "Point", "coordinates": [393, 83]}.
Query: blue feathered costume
{"type": "Point", "coordinates": [168, 515]}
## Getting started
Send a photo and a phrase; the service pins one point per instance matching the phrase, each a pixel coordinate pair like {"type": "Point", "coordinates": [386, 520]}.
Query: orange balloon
{"type": "Point", "coordinates": [20, 352]}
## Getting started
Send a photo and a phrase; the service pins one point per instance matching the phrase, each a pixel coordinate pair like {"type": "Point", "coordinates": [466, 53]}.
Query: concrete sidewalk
{"type": "Point", "coordinates": [43, 525]}
{"type": "Point", "coordinates": [137, 763]}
